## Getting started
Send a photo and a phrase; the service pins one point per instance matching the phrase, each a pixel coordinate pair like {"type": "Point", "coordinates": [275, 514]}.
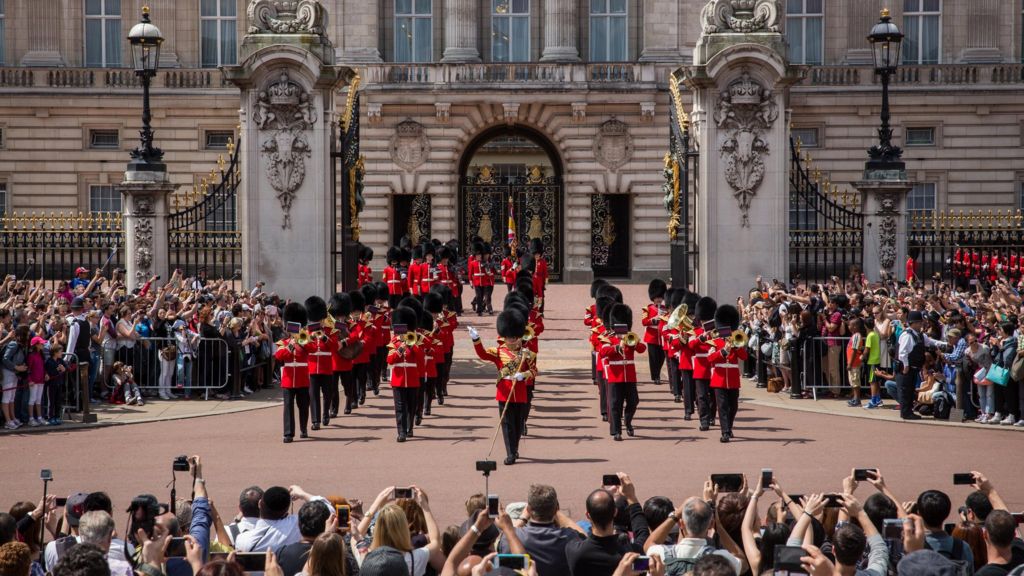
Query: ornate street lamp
{"type": "Point", "coordinates": [145, 39]}
{"type": "Point", "coordinates": [885, 39]}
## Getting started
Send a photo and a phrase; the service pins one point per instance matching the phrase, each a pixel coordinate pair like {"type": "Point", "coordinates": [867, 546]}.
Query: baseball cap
{"type": "Point", "coordinates": [178, 325]}
{"type": "Point", "coordinates": [81, 270]}
{"type": "Point", "coordinates": [75, 507]}
{"type": "Point", "coordinates": [384, 561]}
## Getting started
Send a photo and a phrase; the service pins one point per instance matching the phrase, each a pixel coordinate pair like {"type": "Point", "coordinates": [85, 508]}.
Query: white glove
{"type": "Point", "coordinates": [520, 376]}
{"type": "Point", "coordinates": [473, 334]}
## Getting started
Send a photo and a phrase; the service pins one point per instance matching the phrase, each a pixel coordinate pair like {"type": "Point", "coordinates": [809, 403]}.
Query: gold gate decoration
{"type": "Point", "coordinates": [418, 227]}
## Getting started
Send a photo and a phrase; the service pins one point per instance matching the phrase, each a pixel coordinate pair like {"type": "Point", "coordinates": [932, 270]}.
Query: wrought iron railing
{"type": "Point", "coordinates": [963, 246]}
{"type": "Point", "coordinates": [53, 245]}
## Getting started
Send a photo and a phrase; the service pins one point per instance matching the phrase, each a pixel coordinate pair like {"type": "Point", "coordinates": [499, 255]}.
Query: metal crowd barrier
{"type": "Point", "coordinates": [824, 365]}
{"type": "Point", "coordinates": [206, 368]}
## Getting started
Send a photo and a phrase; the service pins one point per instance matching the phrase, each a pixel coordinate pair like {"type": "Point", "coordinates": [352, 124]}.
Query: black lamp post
{"type": "Point", "coordinates": [885, 39]}
{"type": "Point", "coordinates": [145, 39]}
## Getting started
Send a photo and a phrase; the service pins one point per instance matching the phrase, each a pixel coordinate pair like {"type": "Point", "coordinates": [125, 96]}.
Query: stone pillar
{"type": "Point", "coordinates": [145, 226]}
{"type": "Point", "coordinates": [885, 226]}
{"type": "Point", "coordinates": [661, 31]}
{"type": "Point", "coordinates": [359, 31]}
{"type": "Point", "coordinates": [740, 79]}
{"type": "Point", "coordinates": [288, 84]}
{"type": "Point", "coordinates": [461, 26]}
{"type": "Point", "coordinates": [44, 41]}
{"type": "Point", "coordinates": [561, 31]}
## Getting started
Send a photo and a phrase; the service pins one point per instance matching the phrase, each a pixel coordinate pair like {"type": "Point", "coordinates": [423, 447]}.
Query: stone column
{"type": "Point", "coordinates": [359, 31]}
{"type": "Point", "coordinates": [561, 31]}
{"type": "Point", "coordinates": [461, 26]}
{"type": "Point", "coordinates": [145, 226]}
{"type": "Point", "coordinates": [44, 40]}
{"type": "Point", "coordinates": [885, 226]}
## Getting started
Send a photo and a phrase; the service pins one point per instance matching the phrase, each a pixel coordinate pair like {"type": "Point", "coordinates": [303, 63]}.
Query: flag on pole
{"type": "Point", "coordinates": [511, 229]}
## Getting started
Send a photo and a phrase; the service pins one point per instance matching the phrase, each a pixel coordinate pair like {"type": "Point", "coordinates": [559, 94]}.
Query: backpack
{"type": "Point", "coordinates": [942, 406]}
{"type": "Point", "coordinates": [677, 566]}
{"type": "Point", "coordinates": [957, 556]}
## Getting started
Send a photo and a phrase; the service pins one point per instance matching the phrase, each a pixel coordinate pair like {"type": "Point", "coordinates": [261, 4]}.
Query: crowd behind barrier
{"type": "Point", "coordinates": [90, 340]}
{"type": "Point", "coordinates": [731, 526]}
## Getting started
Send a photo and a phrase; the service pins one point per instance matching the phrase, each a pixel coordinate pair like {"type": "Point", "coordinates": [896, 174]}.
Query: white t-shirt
{"type": "Point", "coordinates": [417, 560]}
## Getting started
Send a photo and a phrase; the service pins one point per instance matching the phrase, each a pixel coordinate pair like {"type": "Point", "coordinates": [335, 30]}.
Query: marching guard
{"type": "Point", "coordinates": [405, 357]}
{"type": "Point", "coordinates": [618, 353]}
{"type": "Point", "coordinates": [320, 357]}
{"type": "Point", "coordinates": [651, 318]}
{"type": "Point", "coordinates": [292, 357]}
{"type": "Point", "coordinates": [725, 353]}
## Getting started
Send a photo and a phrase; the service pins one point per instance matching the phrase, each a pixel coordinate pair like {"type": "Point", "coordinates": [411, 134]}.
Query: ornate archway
{"type": "Point", "coordinates": [514, 163]}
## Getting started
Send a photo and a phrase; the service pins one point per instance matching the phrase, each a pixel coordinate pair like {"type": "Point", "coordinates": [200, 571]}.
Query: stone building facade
{"type": "Point", "coordinates": [584, 81]}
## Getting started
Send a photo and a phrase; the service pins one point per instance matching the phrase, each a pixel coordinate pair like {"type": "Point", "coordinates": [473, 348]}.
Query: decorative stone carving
{"type": "Point", "coordinates": [409, 145]}
{"type": "Point", "coordinates": [647, 110]}
{"type": "Point", "coordinates": [374, 112]}
{"type": "Point", "coordinates": [286, 17]}
{"type": "Point", "coordinates": [286, 111]}
{"type": "Point", "coordinates": [613, 145]}
{"type": "Point", "coordinates": [143, 206]}
{"type": "Point", "coordinates": [511, 111]}
{"type": "Point", "coordinates": [443, 111]}
{"type": "Point", "coordinates": [579, 112]}
{"type": "Point", "coordinates": [744, 112]}
{"type": "Point", "coordinates": [143, 247]}
{"type": "Point", "coordinates": [887, 243]}
{"type": "Point", "coordinates": [744, 16]}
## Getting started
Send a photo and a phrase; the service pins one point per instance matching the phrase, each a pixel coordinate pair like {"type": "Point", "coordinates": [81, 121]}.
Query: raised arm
{"type": "Point", "coordinates": [433, 532]}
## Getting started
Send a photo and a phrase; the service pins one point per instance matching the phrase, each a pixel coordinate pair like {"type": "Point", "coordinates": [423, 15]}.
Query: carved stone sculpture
{"type": "Point", "coordinates": [286, 111]}
{"type": "Point", "coordinates": [613, 146]}
{"type": "Point", "coordinates": [286, 17]}
{"type": "Point", "coordinates": [887, 230]}
{"type": "Point", "coordinates": [745, 111]}
{"type": "Point", "coordinates": [143, 249]}
{"type": "Point", "coordinates": [744, 16]}
{"type": "Point", "coordinates": [409, 146]}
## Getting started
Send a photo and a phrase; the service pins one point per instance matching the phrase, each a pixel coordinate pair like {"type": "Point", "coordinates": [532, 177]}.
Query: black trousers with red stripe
{"type": "Point", "coordinates": [320, 385]}
{"type": "Point", "coordinates": [656, 358]}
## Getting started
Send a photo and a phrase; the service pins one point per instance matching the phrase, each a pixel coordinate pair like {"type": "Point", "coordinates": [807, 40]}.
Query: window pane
{"type": "Point", "coordinates": [598, 38]}
{"type": "Point", "coordinates": [499, 39]}
{"type": "Point", "coordinates": [3, 58]}
{"type": "Point", "coordinates": [931, 6]}
{"type": "Point", "coordinates": [93, 43]}
{"type": "Point", "coordinates": [813, 48]}
{"type": "Point", "coordinates": [227, 42]}
{"type": "Point", "coordinates": [422, 35]}
{"type": "Point", "coordinates": [520, 39]}
{"type": "Point", "coordinates": [521, 6]}
{"type": "Point", "coordinates": [208, 43]}
{"type": "Point", "coordinates": [930, 40]}
{"type": "Point", "coordinates": [227, 8]}
{"type": "Point", "coordinates": [423, 7]}
{"type": "Point", "coordinates": [617, 39]}
{"type": "Point", "coordinates": [617, 6]}
{"type": "Point", "coordinates": [500, 6]}
{"type": "Point", "coordinates": [910, 5]}
{"type": "Point", "coordinates": [1, 6]}
{"type": "Point", "coordinates": [814, 6]}
{"type": "Point", "coordinates": [403, 39]}
{"type": "Point", "coordinates": [598, 6]}
{"type": "Point", "coordinates": [795, 37]}
{"type": "Point", "coordinates": [113, 8]}
{"type": "Point", "coordinates": [910, 47]}
{"type": "Point", "coordinates": [794, 7]}
{"type": "Point", "coordinates": [207, 7]}
{"type": "Point", "coordinates": [93, 7]}
{"type": "Point", "coordinates": [113, 42]}
{"type": "Point", "coordinates": [403, 6]}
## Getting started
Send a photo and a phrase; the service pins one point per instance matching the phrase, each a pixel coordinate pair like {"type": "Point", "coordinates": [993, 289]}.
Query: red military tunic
{"type": "Point", "coordinates": [508, 363]}
{"type": "Point", "coordinates": [540, 277]}
{"type": "Point", "coordinates": [508, 272]}
{"type": "Point", "coordinates": [414, 277]}
{"type": "Point", "coordinates": [589, 315]}
{"type": "Point", "coordinates": [620, 365]}
{"type": "Point", "coordinates": [294, 365]}
{"type": "Point", "coordinates": [651, 319]}
{"type": "Point", "coordinates": [393, 278]}
{"type": "Point", "coordinates": [701, 367]}
{"type": "Point", "coordinates": [685, 354]}
{"type": "Point", "coordinates": [725, 367]}
{"type": "Point", "coordinates": [320, 354]}
{"type": "Point", "coordinates": [368, 334]}
{"type": "Point", "coordinates": [445, 276]}
{"type": "Point", "coordinates": [428, 277]}
{"type": "Point", "coordinates": [488, 274]}
{"type": "Point", "coordinates": [432, 352]}
{"type": "Point", "coordinates": [340, 363]}
{"type": "Point", "coordinates": [476, 274]}
{"type": "Point", "coordinates": [365, 274]}
{"type": "Point", "coordinates": [405, 362]}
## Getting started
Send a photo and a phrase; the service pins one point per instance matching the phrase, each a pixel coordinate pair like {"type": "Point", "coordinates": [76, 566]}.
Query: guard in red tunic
{"type": "Point", "coordinates": [364, 270]}
{"type": "Point", "coordinates": [292, 358]}
{"type": "Point", "coordinates": [600, 334]}
{"type": "Point", "coordinates": [651, 319]}
{"type": "Point", "coordinates": [725, 360]}
{"type": "Point", "coordinates": [414, 279]}
{"type": "Point", "coordinates": [490, 270]}
{"type": "Point", "coordinates": [686, 382]}
{"type": "Point", "coordinates": [515, 366]}
{"type": "Point", "coordinates": [619, 354]}
{"type": "Point", "coordinates": [540, 270]}
{"type": "Point", "coordinates": [393, 277]}
{"type": "Point", "coordinates": [699, 347]}
{"type": "Point", "coordinates": [476, 276]}
{"type": "Point", "coordinates": [509, 268]}
{"type": "Point", "coordinates": [320, 353]}
{"type": "Point", "coordinates": [340, 309]}
{"type": "Point", "coordinates": [428, 269]}
{"type": "Point", "coordinates": [382, 325]}
{"type": "Point", "coordinates": [668, 339]}
{"type": "Point", "coordinates": [405, 359]}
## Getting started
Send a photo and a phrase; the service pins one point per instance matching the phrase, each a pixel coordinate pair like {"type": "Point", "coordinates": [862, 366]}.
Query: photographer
{"type": "Point", "coordinates": [276, 527]}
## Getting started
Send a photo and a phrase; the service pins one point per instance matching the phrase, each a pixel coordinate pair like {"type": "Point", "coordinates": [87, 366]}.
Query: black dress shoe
{"type": "Point", "coordinates": [510, 460]}
{"type": "Point", "coordinates": [426, 413]}
{"type": "Point", "coordinates": [316, 426]}
{"type": "Point", "coordinates": [678, 399]}
{"type": "Point", "coordinates": [303, 435]}
{"type": "Point", "coordinates": [617, 437]}
{"type": "Point", "coordinates": [362, 400]}
{"type": "Point", "coordinates": [688, 417]}
{"type": "Point", "coordinates": [419, 419]}
{"type": "Point", "coordinates": [409, 433]}
{"type": "Point", "coordinates": [604, 417]}
{"type": "Point", "coordinates": [516, 455]}
{"type": "Point", "coordinates": [630, 432]}
{"type": "Point", "coordinates": [401, 437]}
{"type": "Point", "coordinates": [348, 410]}
{"type": "Point", "coordinates": [704, 427]}
{"type": "Point", "coordinates": [287, 439]}
{"type": "Point", "coordinates": [334, 413]}
{"type": "Point", "coordinates": [729, 434]}
{"type": "Point", "coordinates": [724, 439]}
{"type": "Point", "coordinates": [327, 421]}
{"type": "Point", "coordinates": [440, 400]}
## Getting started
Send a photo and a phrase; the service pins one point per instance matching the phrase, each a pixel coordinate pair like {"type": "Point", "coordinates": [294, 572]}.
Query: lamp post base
{"type": "Point", "coordinates": [143, 165]}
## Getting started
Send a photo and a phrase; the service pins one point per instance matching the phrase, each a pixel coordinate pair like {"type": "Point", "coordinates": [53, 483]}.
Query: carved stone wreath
{"type": "Point", "coordinates": [613, 146]}
{"type": "Point", "coordinates": [745, 111]}
{"type": "Point", "coordinates": [286, 111]}
{"type": "Point", "coordinates": [742, 16]}
{"type": "Point", "coordinates": [409, 145]}
{"type": "Point", "coordinates": [286, 17]}
{"type": "Point", "coordinates": [887, 242]}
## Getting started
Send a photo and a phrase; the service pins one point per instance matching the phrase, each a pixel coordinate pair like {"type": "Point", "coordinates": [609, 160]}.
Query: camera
{"type": "Point", "coordinates": [862, 474]}
{"type": "Point", "coordinates": [963, 479]}
{"type": "Point", "coordinates": [892, 529]}
{"type": "Point", "coordinates": [180, 464]}
{"type": "Point", "coordinates": [403, 493]}
{"type": "Point", "coordinates": [641, 564]}
{"type": "Point", "coordinates": [485, 465]}
{"type": "Point", "coordinates": [611, 480]}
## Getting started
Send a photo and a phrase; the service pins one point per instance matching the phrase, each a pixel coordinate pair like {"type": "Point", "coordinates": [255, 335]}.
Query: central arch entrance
{"type": "Point", "coordinates": [517, 163]}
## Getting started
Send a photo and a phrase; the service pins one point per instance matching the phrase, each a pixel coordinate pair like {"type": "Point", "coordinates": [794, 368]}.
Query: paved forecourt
{"type": "Point", "coordinates": [568, 445]}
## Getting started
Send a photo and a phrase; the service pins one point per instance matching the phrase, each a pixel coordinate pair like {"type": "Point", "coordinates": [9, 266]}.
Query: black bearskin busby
{"type": "Point", "coordinates": [369, 294]}
{"type": "Point", "coordinates": [358, 301]}
{"type": "Point", "coordinates": [524, 275]}
{"type": "Point", "coordinates": [443, 253]}
{"type": "Point", "coordinates": [405, 315]}
{"type": "Point", "coordinates": [478, 248]}
{"type": "Point", "coordinates": [705, 310]}
{"type": "Point", "coordinates": [610, 291]}
{"type": "Point", "coordinates": [341, 305]}
{"type": "Point", "coordinates": [656, 289]}
{"type": "Point", "coordinates": [417, 253]}
{"type": "Point", "coordinates": [444, 292]}
{"type": "Point", "coordinates": [294, 313]}
{"type": "Point", "coordinates": [427, 322]}
{"type": "Point", "coordinates": [727, 316]}
{"type": "Point", "coordinates": [518, 306]}
{"type": "Point", "coordinates": [414, 304]}
{"type": "Point", "coordinates": [405, 255]}
{"type": "Point", "coordinates": [691, 300]}
{"type": "Point", "coordinates": [595, 285]}
{"type": "Point", "coordinates": [433, 302]}
{"type": "Point", "coordinates": [382, 290]}
{"type": "Point", "coordinates": [604, 304]}
{"type": "Point", "coordinates": [394, 255]}
{"type": "Point", "coordinates": [428, 248]}
{"type": "Point", "coordinates": [511, 324]}
{"type": "Point", "coordinates": [316, 308]}
{"type": "Point", "coordinates": [365, 253]}
{"type": "Point", "coordinates": [536, 246]}
{"type": "Point", "coordinates": [621, 314]}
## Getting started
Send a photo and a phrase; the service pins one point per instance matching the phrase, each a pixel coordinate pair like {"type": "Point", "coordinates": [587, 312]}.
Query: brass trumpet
{"type": "Point", "coordinates": [679, 320]}
{"type": "Point", "coordinates": [630, 339]}
{"type": "Point", "coordinates": [411, 338]}
{"type": "Point", "coordinates": [530, 334]}
{"type": "Point", "coordinates": [738, 339]}
{"type": "Point", "coordinates": [329, 322]}
{"type": "Point", "coordinates": [302, 338]}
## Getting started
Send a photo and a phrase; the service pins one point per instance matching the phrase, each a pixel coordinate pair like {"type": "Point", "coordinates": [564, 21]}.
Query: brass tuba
{"type": "Point", "coordinates": [679, 319]}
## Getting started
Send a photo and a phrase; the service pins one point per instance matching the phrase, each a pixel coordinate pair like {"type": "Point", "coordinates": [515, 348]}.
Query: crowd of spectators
{"type": "Point", "coordinates": [188, 337]}
{"type": "Point", "coordinates": [851, 338]}
{"type": "Point", "coordinates": [285, 531]}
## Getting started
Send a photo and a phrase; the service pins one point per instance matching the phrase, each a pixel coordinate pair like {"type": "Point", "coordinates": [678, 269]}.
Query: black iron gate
{"type": "Point", "coordinates": [202, 228]}
{"type": "Point", "coordinates": [826, 227]}
{"type": "Point", "coordinates": [609, 235]}
{"type": "Point", "coordinates": [680, 192]}
{"type": "Point", "coordinates": [536, 206]}
{"type": "Point", "coordinates": [410, 218]}
{"type": "Point", "coordinates": [347, 171]}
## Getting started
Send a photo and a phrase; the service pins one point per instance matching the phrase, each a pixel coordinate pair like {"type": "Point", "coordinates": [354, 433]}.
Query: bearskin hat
{"type": "Point", "coordinates": [727, 316]}
{"type": "Point", "coordinates": [536, 246]}
{"type": "Point", "coordinates": [413, 303]}
{"type": "Point", "coordinates": [527, 264]}
{"type": "Point", "coordinates": [691, 300]}
{"type": "Point", "coordinates": [417, 253]}
{"type": "Point", "coordinates": [519, 306]}
{"type": "Point", "coordinates": [516, 297]}
{"type": "Point", "coordinates": [433, 302]}
{"type": "Point", "coordinates": [405, 315]}
{"type": "Point", "coordinates": [524, 275]}
{"type": "Point", "coordinates": [369, 294]}
{"type": "Point", "coordinates": [478, 248]}
{"type": "Point", "coordinates": [705, 309]}
{"type": "Point", "coordinates": [443, 253]}
{"type": "Point", "coordinates": [610, 292]}
{"type": "Point", "coordinates": [428, 248]}
{"type": "Point", "coordinates": [382, 290]}
{"type": "Point", "coordinates": [316, 308]}
{"type": "Point", "coordinates": [656, 289]}
{"type": "Point", "coordinates": [406, 255]}
{"type": "Point", "coordinates": [427, 322]}
{"type": "Point", "coordinates": [621, 314]}
{"type": "Point", "coordinates": [394, 254]}
{"type": "Point", "coordinates": [453, 250]}
{"type": "Point", "coordinates": [444, 292]}
{"type": "Point", "coordinates": [294, 313]}
{"type": "Point", "coordinates": [671, 298]}
{"type": "Point", "coordinates": [358, 301]}
{"type": "Point", "coordinates": [603, 305]}
{"type": "Point", "coordinates": [341, 305]}
{"type": "Point", "coordinates": [511, 324]}
{"type": "Point", "coordinates": [595, 285]}
{"type": "Point", "coordinates": [365, 253]}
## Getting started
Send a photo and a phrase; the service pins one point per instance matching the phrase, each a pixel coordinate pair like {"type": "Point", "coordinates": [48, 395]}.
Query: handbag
{"type": "Point", "coordinates": [1017, 368]}
{"type": "Point", "coordinates": [998, 375]}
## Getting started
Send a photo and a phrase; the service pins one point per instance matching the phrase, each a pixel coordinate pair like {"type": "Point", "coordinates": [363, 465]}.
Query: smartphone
{"type": "Point", "coordinates": [513, 561]}
{"type": "Point", "coordinates": [862, 474]}
{"type": "Point", "coordinates": [766, 477]}
{"type": "Point", "coordinates": [892, 529]}
{"type": "Point", "coordinates": [403, 493]}
{"type": "Point", "coordinates": [610, 480]}
{"type": "Point", "coordinates": [343, 513]}
{"type": "Point", "coordinates": [788, 558]}
{"type": "Point", "coordinates": [176, 548]}
{"type": "Point", "coordinates": [949, 527]}
{"type": "Point", "coordinates": [45, 474]}
{"type": "Point", "coordinates": [796, 498]}
{"type": "Point", "coordinates": [1019, 517]}
{"type": "Point", "coordinates": [727, 482]}
{"type": "Point", "coordinates": [833, 501]}
{"type": "Point", "coordinates": [963, 479]}
{"type": "Point", "coordinates": [62, 502]}
{"type": "Point", "coordinates": [641, 564]}
{"type": "Point", "coordinates": [492, 506]}
{"type": "Point", "coordinates": [252, 561]}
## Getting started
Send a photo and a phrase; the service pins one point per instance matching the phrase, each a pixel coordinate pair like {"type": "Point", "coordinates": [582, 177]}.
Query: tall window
{"type": "Point", "coordinates": [103, 33]}
{"type": "Point", "coordinates": [921, 201]}
{"type": "Point", "coordinates": [805, 31]}
{"type": "Point", "coordinates": [104, 198]}
{"type": "Point", "coordinates": [510, 30]}
{"type": "Point", "coordinates": [3, 25]}
{"type": "Point", "coordinates": [802, 216]}
{"type": "Point", "coordinates": [218, 20]}
{"type": "Point", "coordinates": [413, 31]}
{"type": "Point", "coordinates": [3, 199]}
{"type": "Point", "coordinates": [608, 31]}
{"type": "Point", "coordinates": [922, 25]}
